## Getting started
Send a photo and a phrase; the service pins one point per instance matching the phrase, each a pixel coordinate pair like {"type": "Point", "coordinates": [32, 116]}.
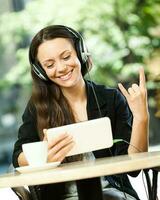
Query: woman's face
{"type": "Point", "coordinates": [59, 60]}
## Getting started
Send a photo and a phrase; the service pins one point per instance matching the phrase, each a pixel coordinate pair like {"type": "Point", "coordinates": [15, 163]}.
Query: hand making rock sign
{"type": "Point", "coordinates": [136, 96]}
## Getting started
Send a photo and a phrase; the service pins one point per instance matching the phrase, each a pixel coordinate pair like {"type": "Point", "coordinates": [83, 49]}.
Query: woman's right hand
{"type": "Point", "coordinates": [59, 147]}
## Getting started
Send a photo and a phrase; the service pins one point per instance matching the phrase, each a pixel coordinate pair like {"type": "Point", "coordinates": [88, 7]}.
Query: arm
{"type": "Point", "coordinates": [22, 160]}
{"type": "Point", "coordinates": [57, 149]}
{"type": "Point", "coordinates": [139, 136]}
{"type": "Point", "coordinates": [137, 100]}
{"type": "Point", "coordinates": [26, 133]}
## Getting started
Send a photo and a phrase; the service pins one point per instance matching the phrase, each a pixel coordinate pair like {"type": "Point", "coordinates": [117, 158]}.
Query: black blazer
{"type": "Point", "coordinates": [101, 101]}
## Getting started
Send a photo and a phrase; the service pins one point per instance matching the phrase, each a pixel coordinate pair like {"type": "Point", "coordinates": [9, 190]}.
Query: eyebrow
{"type": "Point", "coordinates": [51, 59]}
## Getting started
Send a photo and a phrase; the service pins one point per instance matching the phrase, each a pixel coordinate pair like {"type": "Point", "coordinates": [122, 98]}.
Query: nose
{"type": "Point", "coordinates": [60, 66]}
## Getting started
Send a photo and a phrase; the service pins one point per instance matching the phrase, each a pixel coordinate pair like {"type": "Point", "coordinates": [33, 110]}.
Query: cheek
{"type": "Point", "coordinates": [50, 72]}
{"type": "Point", "coordinates": [75, 63]}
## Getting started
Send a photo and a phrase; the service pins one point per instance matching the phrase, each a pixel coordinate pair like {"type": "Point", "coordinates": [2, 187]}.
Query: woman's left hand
{"type": "Point", "coordinates": [136, 97]}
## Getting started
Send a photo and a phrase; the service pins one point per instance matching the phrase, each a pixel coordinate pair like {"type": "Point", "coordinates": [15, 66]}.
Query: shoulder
{"type": "Point", "coordinates": [108, 98]}
{"type": "Point", "coordinates": [107, 93]}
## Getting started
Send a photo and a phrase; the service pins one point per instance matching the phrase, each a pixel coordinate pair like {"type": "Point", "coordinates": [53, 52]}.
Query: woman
{"type": "Point", "coordinates": [59, 60]}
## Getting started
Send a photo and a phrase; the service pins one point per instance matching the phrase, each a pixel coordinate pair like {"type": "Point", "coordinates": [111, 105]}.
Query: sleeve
{"type": "Point", "coordinates": [122, 124]}
{"type": "Point", "coordinates": [27, 132]}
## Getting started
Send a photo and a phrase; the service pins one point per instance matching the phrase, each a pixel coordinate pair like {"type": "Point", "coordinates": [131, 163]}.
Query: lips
{"type": "Point", "coordinates": [66, 76]}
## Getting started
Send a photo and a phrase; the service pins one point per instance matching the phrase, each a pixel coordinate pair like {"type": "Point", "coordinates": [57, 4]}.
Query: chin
{"type": "Point", "coordinates": [68, 84]}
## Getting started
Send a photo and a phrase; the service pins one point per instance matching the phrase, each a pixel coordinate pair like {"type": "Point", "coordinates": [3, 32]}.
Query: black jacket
{"type": "Point", "coordinates": [101, 101]}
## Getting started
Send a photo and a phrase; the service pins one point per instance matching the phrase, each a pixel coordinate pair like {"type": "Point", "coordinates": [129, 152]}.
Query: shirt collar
{"type": "Point", "coordinates": [95, 92]}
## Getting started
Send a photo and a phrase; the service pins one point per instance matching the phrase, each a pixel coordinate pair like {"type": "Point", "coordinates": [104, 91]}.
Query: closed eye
{"type": "Point", "coordinates": [50, 66]}
{"type": "Point", "coordinates": [66, 57]}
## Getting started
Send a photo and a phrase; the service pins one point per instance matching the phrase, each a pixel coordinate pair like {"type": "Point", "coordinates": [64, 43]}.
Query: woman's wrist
{"type": "Point", "coordinates": [142, 118]}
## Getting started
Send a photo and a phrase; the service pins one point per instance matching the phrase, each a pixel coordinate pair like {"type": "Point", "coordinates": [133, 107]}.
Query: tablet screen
{"type": "Point", "coordinates": [89, 135]}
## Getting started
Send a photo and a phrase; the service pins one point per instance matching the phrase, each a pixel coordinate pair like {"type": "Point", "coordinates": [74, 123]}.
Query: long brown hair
{"type": "Point", "coordinates": [52, 108]}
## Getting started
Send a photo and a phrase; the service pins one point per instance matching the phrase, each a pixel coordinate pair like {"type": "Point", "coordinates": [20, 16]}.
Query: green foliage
{"type": "Point", "coordinates": [119, 34]}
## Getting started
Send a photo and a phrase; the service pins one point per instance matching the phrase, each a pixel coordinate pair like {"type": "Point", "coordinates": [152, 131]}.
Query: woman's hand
{"type": "Point", "coordinates": [137, 100]}
{"type": "Point", "coordinates": [59, 147]}
{"type": "Point", "coordinates": [137, 97]}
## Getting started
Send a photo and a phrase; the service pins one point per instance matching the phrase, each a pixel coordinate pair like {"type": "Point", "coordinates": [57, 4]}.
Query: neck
{"type": "Point", "coordinates": [76, 93]}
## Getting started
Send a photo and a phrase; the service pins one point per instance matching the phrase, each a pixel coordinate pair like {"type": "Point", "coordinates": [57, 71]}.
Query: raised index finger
{"type": "Point", "coordinates": [142, 79]}
{"type": "Point", "coordinates": [123, 90]}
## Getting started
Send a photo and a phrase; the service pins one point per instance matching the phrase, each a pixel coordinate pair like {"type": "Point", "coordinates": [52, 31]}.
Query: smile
{"type": "Point", "coordinates": [66, 76]}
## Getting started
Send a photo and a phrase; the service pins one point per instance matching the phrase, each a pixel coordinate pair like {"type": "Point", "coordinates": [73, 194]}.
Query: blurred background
{"type": "Point", "coordinates": [121, 35]}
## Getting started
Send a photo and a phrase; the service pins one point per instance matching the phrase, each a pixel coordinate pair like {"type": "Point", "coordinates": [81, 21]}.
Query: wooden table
{"type": "Point", "coordinates": [83, 170]}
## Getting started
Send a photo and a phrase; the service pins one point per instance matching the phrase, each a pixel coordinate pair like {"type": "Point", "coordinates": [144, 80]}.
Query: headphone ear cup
{"type": "Point", "coordinates": [83, 51]}
{"type": "Point", "coordinates": [40, 72]}
{"type": "Point", "coordinates": [37, 69]}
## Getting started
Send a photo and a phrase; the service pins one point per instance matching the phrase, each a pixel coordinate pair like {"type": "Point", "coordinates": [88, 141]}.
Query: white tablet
{"type": "Point", "coordinates": [89, 135]}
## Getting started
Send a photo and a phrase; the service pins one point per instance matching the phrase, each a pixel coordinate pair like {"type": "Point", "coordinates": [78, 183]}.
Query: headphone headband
{"type": "Point", "coordinates": [80, 47]}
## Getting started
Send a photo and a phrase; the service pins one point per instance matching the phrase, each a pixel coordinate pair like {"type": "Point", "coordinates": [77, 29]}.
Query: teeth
{"type": "Point", "coordinates": [65, 77]}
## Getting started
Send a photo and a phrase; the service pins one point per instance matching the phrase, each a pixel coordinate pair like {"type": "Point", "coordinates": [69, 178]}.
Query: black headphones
{"type": "Point", "coordinates": [80, 47]}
